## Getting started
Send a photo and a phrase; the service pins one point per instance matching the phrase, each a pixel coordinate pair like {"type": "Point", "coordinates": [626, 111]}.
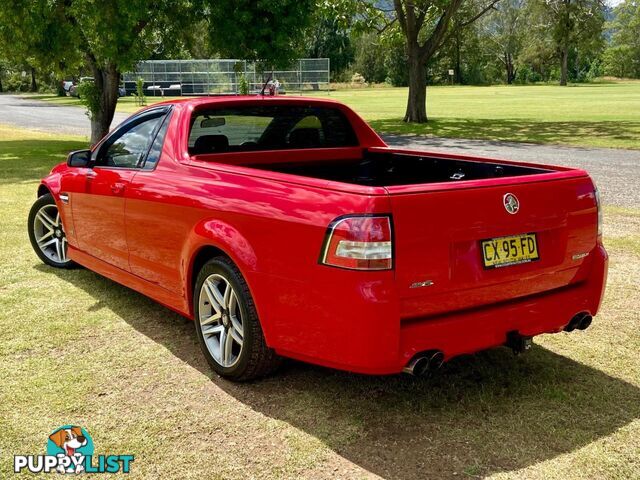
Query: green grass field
{"type": "Point", "coordinates": [596, 115]}
{"type": "Point", "coordinates": [77, 348]}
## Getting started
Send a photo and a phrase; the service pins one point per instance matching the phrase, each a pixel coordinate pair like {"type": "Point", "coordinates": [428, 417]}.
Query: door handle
{"type": "Point", "coordinates": [117, 188]}
{"type": "Point", "coordinates": [64, 198]}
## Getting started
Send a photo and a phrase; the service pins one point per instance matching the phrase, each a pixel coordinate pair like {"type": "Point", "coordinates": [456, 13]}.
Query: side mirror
{"type": "Point", "coordinates": [79, 158]}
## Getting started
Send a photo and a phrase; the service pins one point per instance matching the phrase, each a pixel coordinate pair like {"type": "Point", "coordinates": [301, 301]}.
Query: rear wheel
{"type": "Point", "coordinates": [46, 233]}
{"type": "Point", "coordinates": [227, 323]}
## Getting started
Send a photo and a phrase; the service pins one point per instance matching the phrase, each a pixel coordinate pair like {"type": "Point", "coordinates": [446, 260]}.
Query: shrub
{"type": "Point", "coordinates": [243, 85]}
{"type": "Point", "coordinates": [358, 79]}
{"type": "Point", "coordinates": [89, 96]}
{"type": "Point", "coordinates": [140, 97]}
{"type": "Point", "coordinates": [15, 82]}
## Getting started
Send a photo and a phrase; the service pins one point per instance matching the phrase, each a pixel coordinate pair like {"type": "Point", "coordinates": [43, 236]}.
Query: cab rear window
{"type": "Point", "coordinates": [254, 128]}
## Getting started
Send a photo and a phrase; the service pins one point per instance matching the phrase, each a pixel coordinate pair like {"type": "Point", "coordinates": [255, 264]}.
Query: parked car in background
{"type": "Point", "coordinates": [72, 90]}
{"type": "Point", "coordinates": [66, 86]}
{"type": "Point", "coordinates": [285, 227]}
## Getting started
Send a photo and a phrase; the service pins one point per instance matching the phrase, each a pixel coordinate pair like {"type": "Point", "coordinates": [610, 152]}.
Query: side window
{"type": "Point", "coordinates": [156, 148]}
{"type": "Point", "coordinates": [307, 133]}
{"type": "Point", "coordinates": [129, 148]}
{"type": "Point", "coordinates": [226, 131]}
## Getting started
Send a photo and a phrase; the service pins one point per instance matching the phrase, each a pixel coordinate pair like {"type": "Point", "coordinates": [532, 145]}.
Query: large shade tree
{"type": "Point", "coordinates": [426, 26]}
{"type": "Point", "coordinates": [111, 36]}
{"type": "Point", "coordinates": [106, 36]}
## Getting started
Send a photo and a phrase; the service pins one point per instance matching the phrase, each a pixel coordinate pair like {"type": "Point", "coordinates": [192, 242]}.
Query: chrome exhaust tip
{"type": "Point", "coordinates": [421, 364]}
{"type": "Point", "coordinates": [585, 322]}
{"type": "Point", "coordinates": [580, 321]}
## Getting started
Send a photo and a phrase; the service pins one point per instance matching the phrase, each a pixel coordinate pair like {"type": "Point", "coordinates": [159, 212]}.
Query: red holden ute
{"type": "Point", "coordinates": [285, 227]}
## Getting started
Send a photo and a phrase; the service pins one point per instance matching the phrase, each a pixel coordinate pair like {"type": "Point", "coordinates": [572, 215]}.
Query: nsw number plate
{"type": "Point", "coordinates": [513, 250]}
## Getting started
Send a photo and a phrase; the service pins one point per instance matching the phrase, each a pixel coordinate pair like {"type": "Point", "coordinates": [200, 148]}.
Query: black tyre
{"type": "Point", "coordinates": [227, 323]}
{"type": "Point", "coordinates": [46, 233]}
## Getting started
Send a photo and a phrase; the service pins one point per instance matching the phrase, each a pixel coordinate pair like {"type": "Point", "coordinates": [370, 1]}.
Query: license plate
{"type": "Point", "coordinates": [506, 251]}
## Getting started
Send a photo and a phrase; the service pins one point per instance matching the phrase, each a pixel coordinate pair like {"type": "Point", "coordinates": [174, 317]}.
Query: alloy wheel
{"type": "Point", "coordinates": [221, 320]}
{"type": "Point", "coordinates": [49, 234]}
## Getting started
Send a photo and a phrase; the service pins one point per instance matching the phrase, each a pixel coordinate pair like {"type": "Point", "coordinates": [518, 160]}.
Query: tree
{"type": "Point", "coordinates": [271, 31]}
{"type": "Point", "coordinates": [426, 25]}
{"type": "Point", "coordinates": [111, 36]}
{"type": "Point", "coordinates": [20, 39]}
{"type": "Point", "coordinates": [369, 58]}
{"type": "Point", "coordinates": [327, 38]}
{"type": "Point", "coordinates": [504, 29]}
{"type": "Point", "coordinates": [622, 56]}
{"type": "Point", "coordinates": [107, 36]}
{"type": "Point", "coordinates": [573, 24]}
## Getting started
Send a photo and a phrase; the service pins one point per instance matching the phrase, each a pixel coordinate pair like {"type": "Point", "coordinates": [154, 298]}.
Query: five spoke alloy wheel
{"type": "Point", "coordinates": [46, 233]}
{"type": "Point", "coordinates": [221, 320]}
{"type": "Point", "coordinates": [227, 323]}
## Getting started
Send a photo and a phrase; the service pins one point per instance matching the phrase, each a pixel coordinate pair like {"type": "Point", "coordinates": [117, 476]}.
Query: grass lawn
{"type": "Point", "coordinates": [597, 115]}
{"type": "Point", "coordinates": [77, 348]}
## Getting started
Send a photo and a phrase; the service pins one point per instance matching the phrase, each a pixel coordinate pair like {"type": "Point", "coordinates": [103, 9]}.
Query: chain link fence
{"type": "Point", "coordinates": [223, 77]}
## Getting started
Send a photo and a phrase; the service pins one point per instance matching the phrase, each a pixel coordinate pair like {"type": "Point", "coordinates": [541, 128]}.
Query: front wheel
{"type": "Point", "coordinates": [46, 233]}
{"type": "Point", "coordinates": [227, 323]}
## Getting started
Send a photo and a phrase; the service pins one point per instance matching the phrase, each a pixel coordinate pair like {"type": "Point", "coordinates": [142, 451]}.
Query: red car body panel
{"type": "Point", "coordinates": [145, 229]}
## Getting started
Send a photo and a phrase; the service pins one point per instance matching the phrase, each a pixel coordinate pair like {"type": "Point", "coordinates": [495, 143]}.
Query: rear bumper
{"type": "Point", "coordinates": [479, 329]}
{"type": "Point", "coordinates": [379, 342]}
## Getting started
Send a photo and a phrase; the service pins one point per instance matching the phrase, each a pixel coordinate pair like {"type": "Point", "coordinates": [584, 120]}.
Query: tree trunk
{"type": "Point", "coordinates": [417, 101]}
{"type": "Point", "coordinates": [34, 84]}
{"type": "Point", "coordinates": [564, 57]}
{"type": "Point", "coordinates": [508, 62]}
{"type": "Point", "coordinates": [107, 81]}
{"type": "Point", "coordinates": [1, 90]}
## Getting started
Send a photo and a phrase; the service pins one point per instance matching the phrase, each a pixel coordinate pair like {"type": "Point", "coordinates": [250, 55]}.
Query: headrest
{"type": "Point", "coordinates": [210, 144]}
{"type": "Point", "coordinates": [304, 138]}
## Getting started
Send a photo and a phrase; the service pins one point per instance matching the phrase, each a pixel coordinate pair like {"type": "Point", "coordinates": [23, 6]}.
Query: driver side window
{"type": "Point", "coordinates": [128, 149]}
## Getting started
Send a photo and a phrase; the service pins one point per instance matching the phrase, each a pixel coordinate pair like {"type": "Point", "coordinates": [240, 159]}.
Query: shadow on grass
{"type": "Point", "coordinates": [619, 134]}
{"type": "Point", "coordinates": [478, 415]}
{"type": "Point", "coordinates": [29, 160]}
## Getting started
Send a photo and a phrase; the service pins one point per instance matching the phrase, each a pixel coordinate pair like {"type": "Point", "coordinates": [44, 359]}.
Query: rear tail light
{"type": "Point", "coordinates": [359, 243]}
{"type": "Point", "coordinates": [599, 205]}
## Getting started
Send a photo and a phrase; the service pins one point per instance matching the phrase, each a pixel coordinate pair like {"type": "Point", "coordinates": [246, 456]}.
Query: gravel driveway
{"type": "Point", "coordinates": [28, 112]}
{"type": "Point", "coordinates": [616, 171]}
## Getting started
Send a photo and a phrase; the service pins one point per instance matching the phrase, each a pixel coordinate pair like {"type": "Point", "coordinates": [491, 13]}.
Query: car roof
{"type": "Point", "coordinates": [221, 99]}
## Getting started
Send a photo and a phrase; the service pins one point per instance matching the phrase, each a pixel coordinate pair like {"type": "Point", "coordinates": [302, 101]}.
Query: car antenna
{"type": "Point", "coordinates": [266, 83]}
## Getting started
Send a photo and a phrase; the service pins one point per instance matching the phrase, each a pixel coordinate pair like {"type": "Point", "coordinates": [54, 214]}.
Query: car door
{"type": "Point", "coordinates": [98, 204]}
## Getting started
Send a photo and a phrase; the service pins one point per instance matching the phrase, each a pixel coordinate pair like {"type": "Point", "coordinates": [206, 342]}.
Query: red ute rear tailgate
{"type": "Point", "coordinates": [438, 236]}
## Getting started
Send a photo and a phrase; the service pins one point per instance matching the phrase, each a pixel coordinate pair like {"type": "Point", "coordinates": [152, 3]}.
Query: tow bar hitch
{"type": "Point", "coordinates": [518, 343]}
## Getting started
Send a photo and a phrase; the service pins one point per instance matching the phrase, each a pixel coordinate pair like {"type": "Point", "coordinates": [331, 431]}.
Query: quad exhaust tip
{"type": "Point", "coordinates": [421, 364]}
{"type": "Point", "coordinates": [581, 321]}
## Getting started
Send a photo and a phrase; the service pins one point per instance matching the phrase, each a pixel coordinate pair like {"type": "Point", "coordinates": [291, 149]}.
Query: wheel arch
{"type": "Point", "coordinates": [200, 257]}
{"type": "Point", "coordinates": [215, 238]}
{"type": "Point", "coordinates": [43, 190]}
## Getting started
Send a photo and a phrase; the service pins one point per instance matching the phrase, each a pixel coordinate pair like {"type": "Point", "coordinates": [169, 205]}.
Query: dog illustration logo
{"type": "Point", "coordinates": [70, 450]}
{"type": "Point", "coordinates": [70, 441]}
